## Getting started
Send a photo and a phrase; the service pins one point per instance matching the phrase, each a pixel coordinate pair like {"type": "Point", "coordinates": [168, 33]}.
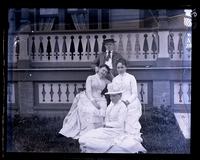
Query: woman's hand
{"type": "Point", "coordinates": [96, 69]}
{"type": "Point", "coordinates": [126, 102]}
{"type": "Point", "coordinates": [94, 102]}
{"type": "Point", "coordinates": [97, 106]}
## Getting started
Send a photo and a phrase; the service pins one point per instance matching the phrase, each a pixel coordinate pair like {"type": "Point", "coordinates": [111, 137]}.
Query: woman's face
{"type": "Point", "coordinates": [103, 71]}
{"type": "Point", "coordinates": [121, 68]}
{"type": "Point", "coordinates": [115, 97]}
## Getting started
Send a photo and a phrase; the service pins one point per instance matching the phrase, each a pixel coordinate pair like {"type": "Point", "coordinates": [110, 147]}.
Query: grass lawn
{"type": "Point", "coordinates": [161, 134]}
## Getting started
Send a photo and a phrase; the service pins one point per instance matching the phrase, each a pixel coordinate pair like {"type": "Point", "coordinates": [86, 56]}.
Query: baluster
{"type": "Point", "coordinates": [96, 46]}
{"type": "Point", "coordinates": [67, 92]}
{"type": "Point", "coordinates": [80, 48]}
{"type": "Point", "coordinates": [64, 47]}
{"type": "Point", "coordinates": [103, 44]}
{"type": "Point", "coordinates": [189, 92]}
{"type": "Point", "coordinates": [137, 46]}
{"type": "Point", "coordinates": [41, 48]}
{"type": "Point", "coordinates": [129, 47]}
{"type": "Point", "coordinates": [51, 92]}
{"type": "Point", "coordinates": [48, 48]}
{"type": "Point", "coordinates": [17, 47]}
{"type": "Point", "coordinates": [180, 45]}
{"type": "Point", "coordinates": [88, 47]}
{"type": "Point", "coordinates": [154, 46]}
{"type": "Point", "coordinates": [145, 46]}
{"type": "Point", "coordinates": [75, 89]}
{"type": "Point", "coordinates": [43, 92]}
{"type": "Point", "coordinates": [120, 46]}
{"type": "Point", "coordinates": [33, 50]}
{"type": "Point", "coordinates": [171, 45]}
{"type": "Point", "coordinates": [142, 92]}
{"type": "Point", "coordinates": [72, 48]}
{"type": "Point", "coordinates": [59, 92]}
{"type": "Point", "coordinates": [180, 92]}
{"type": "Point", "coordinates": [56, 48]}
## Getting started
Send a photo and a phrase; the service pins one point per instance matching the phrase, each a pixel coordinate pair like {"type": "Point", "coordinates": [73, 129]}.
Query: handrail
{"type": "Point", "coordinates": [97, 31]}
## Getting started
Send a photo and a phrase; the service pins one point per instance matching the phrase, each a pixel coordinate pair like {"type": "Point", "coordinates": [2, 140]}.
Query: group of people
{"type": "Point", "coordinates": [105, 117]}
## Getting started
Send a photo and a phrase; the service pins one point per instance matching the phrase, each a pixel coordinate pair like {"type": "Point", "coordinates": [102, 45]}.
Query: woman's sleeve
{"type": "Point", "coordinates": [89, 88]}
{"type": "Point", "coordinates": [133, 86]}
{"type": "Point", "coordinates": [121, 118]}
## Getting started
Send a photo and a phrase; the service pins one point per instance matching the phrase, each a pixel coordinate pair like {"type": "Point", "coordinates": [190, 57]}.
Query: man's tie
{"type": "Point", "coordinates": [108, 56]}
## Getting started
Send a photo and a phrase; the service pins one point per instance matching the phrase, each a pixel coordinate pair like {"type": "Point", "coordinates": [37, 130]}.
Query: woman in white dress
{"type": "Point", "coordinates": [88, 108]}
{"type": "Point", "coordinates": [101, 140]}
{"type": "Point", "coordinates": [131, 140]}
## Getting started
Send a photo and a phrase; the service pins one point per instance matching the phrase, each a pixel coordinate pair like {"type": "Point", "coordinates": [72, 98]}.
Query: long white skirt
{"type": "Point", "coordinates": [132, 124]}
{"type": "Point", "coordinates": [109, 140]}
{"type": "Point", "coordinates": [83, 116]}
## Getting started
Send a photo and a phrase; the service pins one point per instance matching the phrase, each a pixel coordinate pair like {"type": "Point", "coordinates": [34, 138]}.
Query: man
{"type": "Point", "coordinates": [110, 58]}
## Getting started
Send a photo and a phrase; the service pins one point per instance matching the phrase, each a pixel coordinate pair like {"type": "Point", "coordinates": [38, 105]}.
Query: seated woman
{"type": "Point", "coordinates": [88, 108]}
{"type": "Point", "coordinates": [102, 139]}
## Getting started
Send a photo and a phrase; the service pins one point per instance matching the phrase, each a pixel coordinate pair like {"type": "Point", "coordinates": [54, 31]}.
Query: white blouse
{"type": "Point", "coordinates": [116, 115]}
{"type": "Point", "coordinates": [129, 84]}
{"type": "Point", "coordinates": [94, 86]}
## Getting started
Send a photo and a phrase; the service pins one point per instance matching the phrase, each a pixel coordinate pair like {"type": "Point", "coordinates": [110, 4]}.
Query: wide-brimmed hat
{"type": "Point", "coordinates": [109, 41]}
{"type": "Point", "coordinates": [114, 88]}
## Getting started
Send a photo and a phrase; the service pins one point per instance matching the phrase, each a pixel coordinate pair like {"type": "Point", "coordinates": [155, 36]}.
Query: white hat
{"type": "Point", "coordinates": [114, 88]}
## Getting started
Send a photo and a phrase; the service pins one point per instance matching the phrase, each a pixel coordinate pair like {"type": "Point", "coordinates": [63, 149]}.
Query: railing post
{"type": "Point", "coordinates": [161, 93]}
{"type": "Point", "coordinates": [163, 44]}
{"type": "Point", "coordinates": [24, 44]}
{"type": "Point", "coordinates": [161, 89]}
{"type": "Point", "coordinates": [25, 98]}
{"type": "Point", "coordinates": [163, 55]}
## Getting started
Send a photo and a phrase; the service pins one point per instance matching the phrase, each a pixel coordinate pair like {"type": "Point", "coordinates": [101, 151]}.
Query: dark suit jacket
{"type": "Point", "coordinates": [102, 58]}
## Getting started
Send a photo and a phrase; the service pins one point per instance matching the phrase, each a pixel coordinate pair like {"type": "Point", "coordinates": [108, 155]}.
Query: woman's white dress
{"type": "Point", "coordinates": [129, 84]}
{"type": "Point", "coordinates": [102, 139]}
{"type": "Point", "coordinates": [132, 137]}
{"type": "Point", "coordinates": [83, 115]}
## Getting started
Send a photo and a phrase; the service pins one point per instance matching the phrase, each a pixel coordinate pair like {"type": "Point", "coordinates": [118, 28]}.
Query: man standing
{"type": "Point", "coordinates": [110, 58]}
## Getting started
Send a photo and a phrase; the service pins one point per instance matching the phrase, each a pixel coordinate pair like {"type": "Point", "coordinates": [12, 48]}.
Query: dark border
{"type": "Point", "coordinates": [81, 3]}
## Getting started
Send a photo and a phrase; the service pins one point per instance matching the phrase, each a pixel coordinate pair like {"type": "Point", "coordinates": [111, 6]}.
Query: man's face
{"type": "Point", "coordinates": [109, 46]}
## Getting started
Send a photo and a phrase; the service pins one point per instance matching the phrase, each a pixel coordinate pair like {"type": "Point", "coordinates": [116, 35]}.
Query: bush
{"type": "Point", "coordinates": [161, 133]}
{"type": "Point", "coordinates": [163, 115]}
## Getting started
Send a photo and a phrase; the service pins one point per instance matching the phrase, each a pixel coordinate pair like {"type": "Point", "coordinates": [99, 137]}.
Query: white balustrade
{"type": "Point", "coordinates": [64, 92]}
{"type": "Point", "coordinates": [182, 93]}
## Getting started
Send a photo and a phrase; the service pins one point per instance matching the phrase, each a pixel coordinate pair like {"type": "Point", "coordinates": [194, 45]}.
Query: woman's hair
{"type": "Point", "coordinates": [122, 61]}
{"type": "Point", "coordinates": [106, 66]}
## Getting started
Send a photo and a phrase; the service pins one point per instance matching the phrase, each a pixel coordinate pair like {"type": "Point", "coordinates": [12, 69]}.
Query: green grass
{"type": "Point", "coordinates": [161, 134]}
{"type": "Point", "coordinates": [40, 135]}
